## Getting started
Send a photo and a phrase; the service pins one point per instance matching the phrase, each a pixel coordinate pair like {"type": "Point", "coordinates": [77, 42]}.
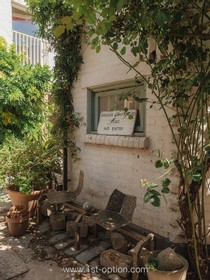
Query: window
{"type": "Point", "coordinates": [115, 97]}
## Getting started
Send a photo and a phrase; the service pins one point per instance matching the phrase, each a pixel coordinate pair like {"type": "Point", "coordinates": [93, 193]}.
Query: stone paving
{"type": "Point", "coordinates": [51, 254]}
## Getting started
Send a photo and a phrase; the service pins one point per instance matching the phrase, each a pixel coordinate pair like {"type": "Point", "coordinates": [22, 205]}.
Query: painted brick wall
{"type": "Point", "coordinates": [110, 167]}
{"type": "Point", "coordinates": [6, 20]}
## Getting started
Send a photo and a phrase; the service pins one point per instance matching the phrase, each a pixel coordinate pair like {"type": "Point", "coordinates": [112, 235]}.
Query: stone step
{"type": "Point", "coordinates": [57, 238]}
{"type": "Point", "coordinates": [93, 252]}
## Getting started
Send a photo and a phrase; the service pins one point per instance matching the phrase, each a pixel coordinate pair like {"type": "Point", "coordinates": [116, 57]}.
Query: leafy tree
{"type": "Point", "coordinates": [23, 90]}
{"type": "Point", "coordinates": [179, 63]}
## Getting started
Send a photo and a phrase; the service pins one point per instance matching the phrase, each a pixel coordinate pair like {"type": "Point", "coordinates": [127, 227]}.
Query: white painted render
{"type": "Point", "coordinates": [110, 166]}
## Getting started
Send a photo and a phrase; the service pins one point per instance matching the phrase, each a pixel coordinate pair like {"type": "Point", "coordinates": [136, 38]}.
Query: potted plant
{"type": "Point", "coordinates": [26, 166]}
{"type": "Point", "coordinates": [166, 265]}
{"type": "Point", "coordinates": [17, 220]}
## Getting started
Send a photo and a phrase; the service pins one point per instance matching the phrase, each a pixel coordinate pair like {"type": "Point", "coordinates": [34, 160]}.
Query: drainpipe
{"type": "Point", "coordinates": [65, 168]}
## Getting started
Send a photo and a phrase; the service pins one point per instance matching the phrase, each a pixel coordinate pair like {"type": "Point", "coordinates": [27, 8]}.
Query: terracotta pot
{"type": "Point", "coordinates": [18, 220]}
{"type": "Point", "coordinates": [28, 200]}
{"type": "Point", "coordinates": [179, 274]}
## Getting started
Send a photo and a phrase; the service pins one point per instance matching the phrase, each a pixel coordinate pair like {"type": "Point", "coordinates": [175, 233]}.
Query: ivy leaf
{"type": "Point", "coordinates": [166, 164]}
{"type": "Point", "coordinates": [166, 182]}
{"type": "Point", "coordinates": [91, 18]}
{"type": "Point", "coordinates": [165, 190]}
{"type": "Point", "coordinates": [115, 46]}
{"type": "Point", "coordinates": [147, 197]}
{"type": "Point", "coordinates": [155, 201]}
{"type": "Point", "coordinates": [140, 100]}
{"type": "Point", "coordinates": [120, 4]}
{"type": "Point", "coordinates": [79, 21]}
{"type": "Point", "coordinates": [66, 20]}
{"type": "Point", "coordinates": [98, 48]}
{"type": "Point", "coordinates": [197, 177]}
{"type": "Point", "coordinates": [154, 193]}
{"type": "Point", "coordinates": [160, 18]}
{"type": "Point", "coordinates": [123, 51]}
{"type": "Point", "coordinates": [59, 30]}
{"type": "Point", "coordinates": [158, 163]}
{"type": "Point", "coordinates": [207, 148]}
{"type": "Point", "coordinates": [76, 3]}
{"type": "Point", "coordinates": [95, 41]}
{"type": "Point", "coordinates": [153, 185]}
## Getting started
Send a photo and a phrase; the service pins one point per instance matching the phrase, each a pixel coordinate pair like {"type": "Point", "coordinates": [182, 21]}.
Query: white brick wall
{"type": "Point", "coordinates": [109, 167]}
{"type": "Point", "coordinates": [6, 20]}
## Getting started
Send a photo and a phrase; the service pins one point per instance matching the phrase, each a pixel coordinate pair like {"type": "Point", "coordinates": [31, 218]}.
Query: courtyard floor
{"type": "Point", "coordinates": [45, 254]}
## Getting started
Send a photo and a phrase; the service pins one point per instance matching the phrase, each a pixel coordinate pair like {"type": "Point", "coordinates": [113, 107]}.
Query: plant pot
{"type": "Point", "coordinates": [180, 274]}
{"type": "Point", "coordinates": [18, 220]}
{"type": "Point", "coordinates": [28, 200]}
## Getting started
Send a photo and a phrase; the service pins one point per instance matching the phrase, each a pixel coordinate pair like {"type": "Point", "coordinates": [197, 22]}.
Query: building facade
{"type": "Point", "coordinates": [16, 27]}
{"type": "Point", "coordinates": [120, 161]}
{"type": "Point", "coordinates": [117, 161]}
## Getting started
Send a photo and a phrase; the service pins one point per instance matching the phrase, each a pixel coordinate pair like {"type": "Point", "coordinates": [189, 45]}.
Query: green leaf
{"type": "Point", "coordinates": [123, 51]}
{"type": "Point", "coordinates": [197, 177]}
{"type": "Point", "coordinates": [98, 48]}
{"type": "Point", "coordinates": [158, 163]}
{"type": "Point", "coordinates": [166, 182]}
{"type": "Point", "coordinates": [165, 190]}
{"type": "Point", "coordinates": [59, 30]}
{"type": "Point", "coordinates": [161, 18]}
{"type": "Point", "coordinates": [155, 201]}
{"type": "Point", "coordinates": [207, 148]}
{"type": "Point", "coordinates": [120, 4]}
{"type": "Point", "coordinates": [147, 197]}
{"type": "Point", "coordinates": [153, 185]}
{"type": "Point", "coordinates": [140, 100]}
{"type": "Point", "coordinates": [91, 18]}
{"type": "Point", "coordinates": [166, 164]}
{"type": "Point", "coordinates": [76, 3]}
{"type": "Point", "coordinates": [115, 46]}
{"type": "Point", "coordinates": [66, 20]}
{"type": "Point", "coordinates": [79, 21]}
{"type": "Point", "coordinates": [91, 32]}
{"type": "Point", "coordinates": [95, 41]}
{"type": "Point", "coordinates": [154, 193]}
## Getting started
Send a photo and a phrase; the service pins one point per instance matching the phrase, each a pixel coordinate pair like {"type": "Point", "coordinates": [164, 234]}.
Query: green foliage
{"type": "Point", "coordinates": [22, 92]}
{"type": "Point", "coordinates": [27, 164]}
{"type": "Point", "coordinates": [53, 17]}
{"type": "Point", "coordinates": [179, 82]}
{"type": "Point", "coordinates": [153, 264]}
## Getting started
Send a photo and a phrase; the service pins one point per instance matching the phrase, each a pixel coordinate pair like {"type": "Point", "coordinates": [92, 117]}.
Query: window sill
{"type": "Point", "coordinates": [119, 141]}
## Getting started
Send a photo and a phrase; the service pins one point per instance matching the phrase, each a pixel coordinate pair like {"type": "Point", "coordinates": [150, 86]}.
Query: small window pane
{"type": "Point", "coordinates": [103, 104]}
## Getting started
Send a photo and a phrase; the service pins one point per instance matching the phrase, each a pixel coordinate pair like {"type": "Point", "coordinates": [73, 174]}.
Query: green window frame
{"type": "Point", "coordinates": [114, 93]}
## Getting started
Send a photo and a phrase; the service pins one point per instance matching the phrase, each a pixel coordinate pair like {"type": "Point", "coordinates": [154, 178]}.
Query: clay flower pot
{"type": "Point", "coordinates": [28, 200]}
{"type": "Point", "coordinates": [17, 220]}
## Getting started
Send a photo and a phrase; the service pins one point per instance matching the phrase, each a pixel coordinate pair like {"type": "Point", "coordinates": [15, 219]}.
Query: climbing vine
{"type": "Point", "coordinates": [68, 58]}
{"type": "Point", "coordinates": [179, 81]}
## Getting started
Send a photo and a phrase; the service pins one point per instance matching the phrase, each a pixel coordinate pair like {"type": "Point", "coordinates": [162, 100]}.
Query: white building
{"type": "Point", "coordinates": [116, 161]}
{"type": "Point", "coordinates": [113, 161]}
{"type": "Point", "coordinates": [16, 27]}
